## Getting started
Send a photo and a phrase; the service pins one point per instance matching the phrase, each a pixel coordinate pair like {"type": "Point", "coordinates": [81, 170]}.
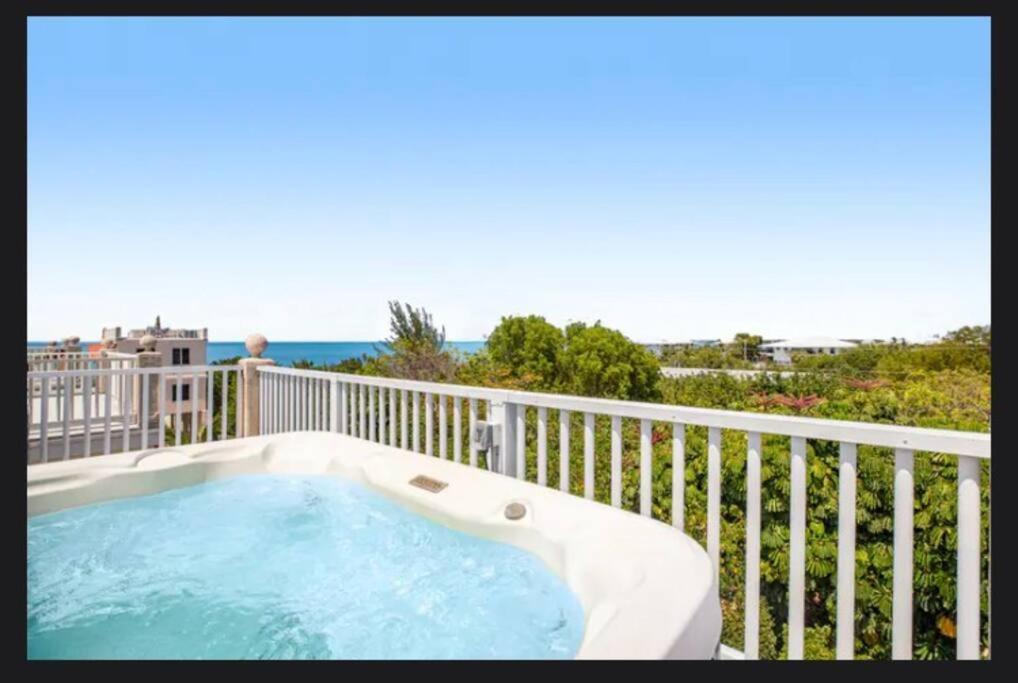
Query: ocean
{"type": "Point", "coordinates": [285, 353]}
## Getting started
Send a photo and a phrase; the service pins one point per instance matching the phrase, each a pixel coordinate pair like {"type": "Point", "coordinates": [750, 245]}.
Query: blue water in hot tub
{"type": "Point", "coordinates": [284, 567]}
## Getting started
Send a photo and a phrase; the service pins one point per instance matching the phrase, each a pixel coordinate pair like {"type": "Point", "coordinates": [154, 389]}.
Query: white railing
{"type": "Point", "coordinates": [388, 411]}
{"type": "Point", "coordinates": [41, 362]}
{"type": "Point", "coordinates": [84, 412]}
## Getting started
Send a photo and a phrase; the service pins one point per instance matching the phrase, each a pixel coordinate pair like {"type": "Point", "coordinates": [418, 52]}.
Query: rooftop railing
{"type": "Point", "coordinates": [402, 413]}
{"type": "Point", "coordinates": [89, 410]}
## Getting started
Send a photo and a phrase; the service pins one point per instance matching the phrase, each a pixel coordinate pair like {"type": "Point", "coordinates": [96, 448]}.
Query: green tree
{"type": "Point", "coordinates": [415, 349]}
{"type": "Point", "coordinates": [598, 361]}
{"type": "Point", "coordinates": [413, 328]}
{"type": "Point", "coordinates": [746, 346]}
{"type": "Point", "coordinates": [529, 348]}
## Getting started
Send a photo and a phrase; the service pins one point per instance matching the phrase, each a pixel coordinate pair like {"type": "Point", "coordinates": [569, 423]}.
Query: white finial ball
{"type": "Point", "coordinates": [148, 342]}
{"type": "Point", "coordinates": [256, 344]}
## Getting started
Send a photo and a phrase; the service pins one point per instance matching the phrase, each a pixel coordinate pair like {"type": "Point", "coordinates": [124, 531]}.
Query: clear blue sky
{"type": "Point", "coordinates": [674, 178]}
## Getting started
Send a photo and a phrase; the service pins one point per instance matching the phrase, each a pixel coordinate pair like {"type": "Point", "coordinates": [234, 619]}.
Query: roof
{"type": "Point", "coordinates": [810, 343]}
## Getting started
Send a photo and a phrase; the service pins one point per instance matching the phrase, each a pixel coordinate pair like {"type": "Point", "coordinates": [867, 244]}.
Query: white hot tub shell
{"type": "Point", "coordinates": [648, 591]}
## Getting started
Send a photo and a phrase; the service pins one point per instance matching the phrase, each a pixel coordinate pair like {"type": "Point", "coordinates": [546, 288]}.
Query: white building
{"type": "Point", "coordinates": [178, 347]}
{"type": "Point", "coordinates": [781, 351]}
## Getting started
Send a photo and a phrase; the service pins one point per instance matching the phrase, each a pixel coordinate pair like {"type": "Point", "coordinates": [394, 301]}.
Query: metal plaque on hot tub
{"type": "Point", "coordinates": [428, 484]}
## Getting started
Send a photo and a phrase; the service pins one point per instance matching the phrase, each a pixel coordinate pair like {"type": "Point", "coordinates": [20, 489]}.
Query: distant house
{"type": "Point", "coordinates": [781, 351]}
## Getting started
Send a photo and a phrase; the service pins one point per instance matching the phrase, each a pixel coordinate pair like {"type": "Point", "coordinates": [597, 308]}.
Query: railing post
{"type": "Point", "coordinates": [256, 345]}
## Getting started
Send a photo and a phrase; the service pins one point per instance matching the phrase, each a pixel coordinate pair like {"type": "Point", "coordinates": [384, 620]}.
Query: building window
{"type": "Point", "coordinates": [185, 391]}
{"type": "Point", "coordinates": [181, 356]}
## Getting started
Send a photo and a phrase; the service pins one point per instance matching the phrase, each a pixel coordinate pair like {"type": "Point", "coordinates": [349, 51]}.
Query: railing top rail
{"type": "Point", "coordinates": [975, 444]}
{"type": "Point", "coordinates": [101, 372]}
{"type": "Point", "coordinates": [60, 355]}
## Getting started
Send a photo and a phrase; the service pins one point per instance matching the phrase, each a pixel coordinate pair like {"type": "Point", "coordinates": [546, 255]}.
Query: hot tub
{"type": "Point", "coordinates": [647, 591]}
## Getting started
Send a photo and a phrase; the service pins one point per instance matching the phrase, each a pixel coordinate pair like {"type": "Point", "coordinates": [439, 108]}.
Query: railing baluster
{"type": "Point", "coordinates": [358, 393]}
{"type": "Point", "coordinates": [361, 406]}
{"type": "Point", "coordinates": [383, 427]}
{"type": "Point", "coordinates": [325, 405]}
{"type": "Point", "coordinates": [311, 405]}
{"type": "Point", "coordinates": [443, 445]}
{"type": "Point", "coordinates": [901, 609]}
{"type": "Point", "coordinates": [86, 404]}
{"type": "Point", "coordinates": [616, 461]}
{"type": "Point", "coordinates": [284, 403]}
{"type": "Point", "coordinates": [294, 403]}
{"type": "Point", "coordinates": [372, 416]}
{"type": "Point", "coordinates": [845, 623]}
{"type": "Point", "coordinates": [679, 475]}
{"type": "Point", "coordinates": [521, 441]}
{"type": "Point", "coordinates": [350, 408]}
{"type": "Point", "coordinates": [751, 648]}
{"type": "Point", "coordinates": [266, 422]}
{"type": "Point", "coordinates": [714, 498]}
{"type": "Point", "coordinates": [108, 415]}
{"type": "Point", "coordinates": [969, 535]}
{"type": "Point", "coordinates": [67, 401]}
{"type": "Point", "coordinates": [797, 550]}
{"type": "Point", "coordinates": [392, 417]}
{"type": "Point", "coordinates": [457, 429]}
{"type": "Point", "coordinates": [301, 404]}
{"type": "Point", "coordinates": [177, 408]}
{"type": "Point", "coordinates": [404, 420]}
{"type": "Point", "coordinates": [334, 408]}
{"type": "Point", "coordinates": [472, 447]}
{"type": "Point", "coordinates": [542, 446]}
{"type": "Point", "coordinates": [31, 399]}
{"type": "Point", "coordinates": [194, 408]}
{"type": "Point", "coordinates": [224, 392]}
{"type": "Point", "coordinates": [416, 422]}
{"type": "Point", "coordinates": [345, 423]}
{"type": "Point", "coordinates": [161, 399]}
{"type": "Point", "coordinates": [208, 403]}
{"type": "Point", "coordinates": [44, 419]}
{"type": "Point", "coordinates": [564, 417]}
{"type": "Point", "coordinates": [588, 456]}
{"type": "Point", "coordinates": [429, 424]}
{"type": "Point", "coordinates": [143, 417]}
{"type": "Point", "coordinates": [263, 423]}
{"type": "Point", "coordinates": [344, 400]}
{"type": "Point", "coordinates": [646, 468]}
